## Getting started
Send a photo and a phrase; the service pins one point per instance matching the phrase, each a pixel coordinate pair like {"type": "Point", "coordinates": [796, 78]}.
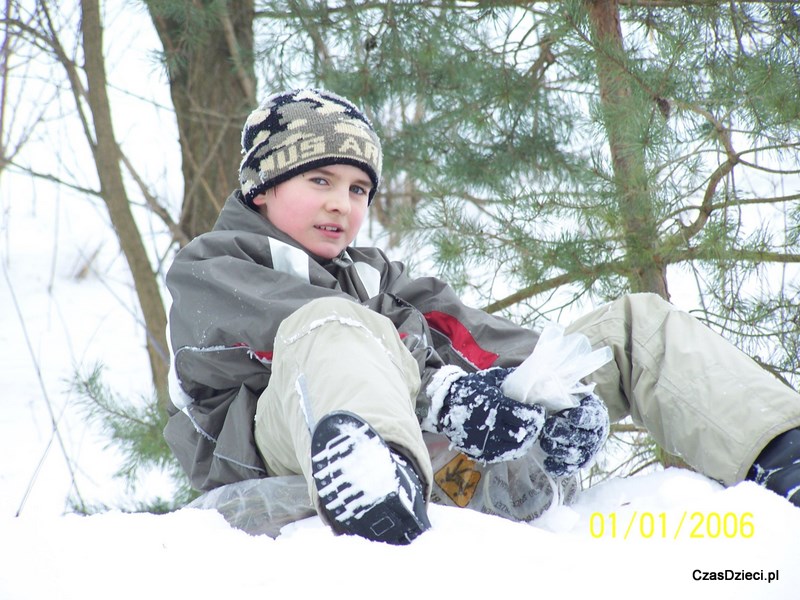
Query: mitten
{"type": "Point", "coordinates": [479, 419]}
{"type": "Point", "coordinates": [571, 438]}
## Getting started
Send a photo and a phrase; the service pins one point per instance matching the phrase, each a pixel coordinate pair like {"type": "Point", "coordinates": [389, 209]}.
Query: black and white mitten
{"type": "Point", "coordinates": [571, 438]}
{"type": "Point", "coordinates": [478, 418]}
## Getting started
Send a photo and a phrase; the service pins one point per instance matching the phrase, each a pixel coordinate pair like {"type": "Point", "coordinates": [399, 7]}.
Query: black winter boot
{"type": "Point", "coordinates": [365, 488]}
{"type": "Point", "coordinates": [777, 468]}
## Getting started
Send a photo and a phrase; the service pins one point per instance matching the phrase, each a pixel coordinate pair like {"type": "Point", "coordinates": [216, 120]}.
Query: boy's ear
{"type": "Point", "coordinates": [260, 200]}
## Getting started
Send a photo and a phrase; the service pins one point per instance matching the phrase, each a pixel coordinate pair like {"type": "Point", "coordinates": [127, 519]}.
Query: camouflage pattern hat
{"type": "Point", "coordinates": [295, 131]}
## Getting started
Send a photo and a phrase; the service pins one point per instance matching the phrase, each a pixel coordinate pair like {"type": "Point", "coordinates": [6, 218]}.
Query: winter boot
{"type": "Point", "coordinates": [365, 488]}
{"type": "Point", "coordinates": [777, 468]}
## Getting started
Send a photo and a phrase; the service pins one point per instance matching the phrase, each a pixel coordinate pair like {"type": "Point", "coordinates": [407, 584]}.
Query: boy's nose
{"type": "Point", "coordinates": [339, 201]}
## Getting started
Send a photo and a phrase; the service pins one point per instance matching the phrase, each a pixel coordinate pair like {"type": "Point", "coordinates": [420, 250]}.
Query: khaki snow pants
{"type": "Point", "coordinates": [699, 396]}
{"type": "Point", "coordinates": [334, 354]}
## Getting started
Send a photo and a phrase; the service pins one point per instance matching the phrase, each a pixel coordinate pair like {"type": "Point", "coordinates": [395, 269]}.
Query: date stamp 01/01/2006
{"type": "Point", "coordinates": [687, 525]}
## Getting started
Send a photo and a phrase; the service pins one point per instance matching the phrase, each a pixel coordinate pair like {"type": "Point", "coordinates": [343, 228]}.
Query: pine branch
{"type": "Point", "coordinates": [714, 207]}
{"type": "Point", "coordinates": [584, 274]}
{"type": "Point", "coordinates": [136, 431]}
{"type": "Point", "coordinates": [732, 254]}
{"type": "Point", "coordinates": [764, 169]}
{"type": "Point", "coordinates": [687, 232]}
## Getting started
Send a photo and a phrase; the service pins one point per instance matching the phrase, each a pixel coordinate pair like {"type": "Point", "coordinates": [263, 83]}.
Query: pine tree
{"type": "Point", "coordinates": [556, 151]}
{"type": "Point", "coordinates": [134, 428]}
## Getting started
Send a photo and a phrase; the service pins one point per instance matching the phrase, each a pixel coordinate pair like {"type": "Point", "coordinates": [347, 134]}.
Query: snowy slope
{"type": "Point", "coordinates": [195, 554]}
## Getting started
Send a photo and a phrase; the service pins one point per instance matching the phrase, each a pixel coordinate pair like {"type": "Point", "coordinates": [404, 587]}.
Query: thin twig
{"type": "Point", "coordinates": [48, 403]}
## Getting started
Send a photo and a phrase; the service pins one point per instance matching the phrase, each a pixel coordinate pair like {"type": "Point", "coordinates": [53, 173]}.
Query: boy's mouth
{"type": "Point", "coordinates": [332, 228]}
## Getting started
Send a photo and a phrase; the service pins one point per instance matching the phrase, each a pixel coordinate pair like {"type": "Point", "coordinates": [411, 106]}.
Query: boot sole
{"type": "Point", "coordinates": [389, 519]}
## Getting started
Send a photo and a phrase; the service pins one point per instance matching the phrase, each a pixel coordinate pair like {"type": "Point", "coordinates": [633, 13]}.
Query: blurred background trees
{"type": "Point", "coordinates": [541, 156]}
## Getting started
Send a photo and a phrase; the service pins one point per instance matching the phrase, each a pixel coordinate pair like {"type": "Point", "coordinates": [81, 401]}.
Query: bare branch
{"type": "Point", "coordinates": [53, 418]}
{"type": "Point", "coordinates": [152, 202]}
{"type": "Point", "coordinates": [55, 179]}
{"type": "Point", "coordinates": [248, 85]}
{"type": "Point", "coordinates": [76, 84]}
{"type": "Point", "coordinates": [5, 56]}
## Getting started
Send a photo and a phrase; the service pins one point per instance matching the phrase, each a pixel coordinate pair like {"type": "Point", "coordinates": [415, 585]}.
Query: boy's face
{"type": "Point", "coordinates": [322, 209]}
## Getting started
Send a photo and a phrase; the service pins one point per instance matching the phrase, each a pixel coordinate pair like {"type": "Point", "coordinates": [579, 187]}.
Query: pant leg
{"type": "Point", "coordinates": [699, 396]}
{"type": "Point", "coordinates": [350, 358]}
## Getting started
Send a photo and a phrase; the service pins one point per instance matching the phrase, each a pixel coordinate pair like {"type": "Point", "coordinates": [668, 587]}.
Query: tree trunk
{"type": "Point", "coordinates": [209, 59]}
{"type": "Point", "coordinates": [627, 155]}
{"type": "Point", "coordinates": [107, 159]}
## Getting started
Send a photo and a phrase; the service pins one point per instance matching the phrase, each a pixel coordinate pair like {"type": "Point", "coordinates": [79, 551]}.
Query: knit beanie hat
{"type": "Point", "coordinates": [296, 131]}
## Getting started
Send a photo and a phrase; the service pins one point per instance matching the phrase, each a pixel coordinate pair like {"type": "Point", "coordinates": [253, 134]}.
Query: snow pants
{"type": "Point", "coordinates": [700, 397]}
{"type": "Point", "coordinates": [334, 354]}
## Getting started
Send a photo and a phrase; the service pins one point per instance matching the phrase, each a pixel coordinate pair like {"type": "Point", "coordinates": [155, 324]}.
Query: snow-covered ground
{"type": "Point", "coordinates": [194, 554]}
{"type": "Point", "coordinates": [650, 536]}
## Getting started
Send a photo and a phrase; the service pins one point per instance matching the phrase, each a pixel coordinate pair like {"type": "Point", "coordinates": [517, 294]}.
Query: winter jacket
{"type": "Point", "coordinates": [232, 287]}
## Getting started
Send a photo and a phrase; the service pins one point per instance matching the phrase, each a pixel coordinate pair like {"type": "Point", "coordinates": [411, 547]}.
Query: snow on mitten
{"type": "Point", "coordinates": [571, 438]}
{"type": "Point", "coordinates": [478, 419]}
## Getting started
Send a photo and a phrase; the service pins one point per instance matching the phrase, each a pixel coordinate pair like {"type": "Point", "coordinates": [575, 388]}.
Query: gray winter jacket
{"type": "Point", "coordinates": [232, 287]}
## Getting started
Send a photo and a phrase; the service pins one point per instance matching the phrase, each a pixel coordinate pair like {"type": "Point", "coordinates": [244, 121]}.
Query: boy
{"type": "Point", "coordinates": [295, 353]}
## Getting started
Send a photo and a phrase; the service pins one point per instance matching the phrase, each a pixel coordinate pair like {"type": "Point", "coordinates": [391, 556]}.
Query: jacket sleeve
{"type": "Point", "coordinates": [467, 335]}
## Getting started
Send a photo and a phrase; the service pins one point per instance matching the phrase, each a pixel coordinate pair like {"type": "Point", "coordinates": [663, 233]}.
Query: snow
{"type": "Point", "coordinates": [629, 536]}
{"type": "Point", "coordinates": [437, 391]}
{"type": "Point", "coordinates": [357, 460]}
{"type": "Point", "coordinates": [194, 553]}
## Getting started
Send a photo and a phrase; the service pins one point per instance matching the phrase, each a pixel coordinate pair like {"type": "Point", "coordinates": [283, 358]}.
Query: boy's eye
{"type": "Point", "coordinates": [357, 189]}
{"type": "Point", "coordinates": [319, 180]}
